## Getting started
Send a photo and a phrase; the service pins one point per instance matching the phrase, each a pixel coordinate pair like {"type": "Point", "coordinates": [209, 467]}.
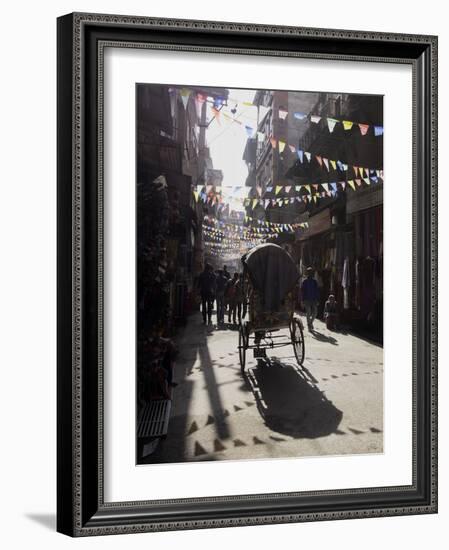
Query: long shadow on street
{"type": "Point", "coordinates": [193, 345]}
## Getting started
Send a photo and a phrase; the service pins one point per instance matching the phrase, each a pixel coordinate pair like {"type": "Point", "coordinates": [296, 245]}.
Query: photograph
{"type": "Point", "coordinates": [259, 273]}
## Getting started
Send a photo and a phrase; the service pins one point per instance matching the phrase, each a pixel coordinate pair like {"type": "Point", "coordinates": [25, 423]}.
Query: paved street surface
{"type": "Point", "coordinates": [331, 406]}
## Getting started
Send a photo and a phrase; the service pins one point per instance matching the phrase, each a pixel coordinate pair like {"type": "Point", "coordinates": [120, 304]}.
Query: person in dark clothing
{"type": "Point", "coordinates": [207, 282]}
{"type": "Point", "coordinates": [157, 376]}
{"type": "Point", "coordinates": [220, 295]}
{"type": "Point", "coordinates": [331, 313]}
{"type": "Point", "coordinates": [232, 294]}
{"type": "Point", "coordinates": [169, 354]}
{"type": "Point", "coordinates": [239, 297]}
{"type": "Point", "coordinates": [245, 297]}
{"type": "Point", "coordinates": [228, 278]}
{"type": "Point", "coordinates": [310, 296]}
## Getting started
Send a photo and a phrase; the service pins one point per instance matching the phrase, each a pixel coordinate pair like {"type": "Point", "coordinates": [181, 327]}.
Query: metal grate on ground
{"type": "Point", "coordinates": [153, 419]}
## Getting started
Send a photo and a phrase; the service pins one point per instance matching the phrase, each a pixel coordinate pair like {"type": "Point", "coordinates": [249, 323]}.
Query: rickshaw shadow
{"type": "Point", "coordinates": [290, 402]}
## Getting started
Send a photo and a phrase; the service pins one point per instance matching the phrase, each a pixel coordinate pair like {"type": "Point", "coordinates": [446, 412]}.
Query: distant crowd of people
{"type": "Point", "coordinates": [228, 293]}
{"type": "Point", "coordinates": [217, 286]}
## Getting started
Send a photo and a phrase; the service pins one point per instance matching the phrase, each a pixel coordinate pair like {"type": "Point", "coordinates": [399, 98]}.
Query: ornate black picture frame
{"type": "Point", "coordinates": [81, 510]}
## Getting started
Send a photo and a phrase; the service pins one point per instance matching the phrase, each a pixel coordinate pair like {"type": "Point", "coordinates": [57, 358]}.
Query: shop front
{"type": "Point", "coordinates": [347, 258]}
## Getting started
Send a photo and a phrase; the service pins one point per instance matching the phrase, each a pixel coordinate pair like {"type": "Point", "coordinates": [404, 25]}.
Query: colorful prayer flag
{"type": "Point", "coordinates": [282, 114]}
{"type": "Point", "coordinates": [378, 130]}
{"type": "Point", "coordinates": [363, 129]}
{"type": "Point", "coordinates": [249, 131]}
{"type": "Point", "coordinates": [185, 95]}
{"type": "Point", "coordinates": [331, 122]}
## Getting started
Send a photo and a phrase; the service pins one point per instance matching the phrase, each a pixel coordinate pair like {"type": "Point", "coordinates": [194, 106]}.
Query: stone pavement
{"type": "Point", "coordinates": [333, 405]}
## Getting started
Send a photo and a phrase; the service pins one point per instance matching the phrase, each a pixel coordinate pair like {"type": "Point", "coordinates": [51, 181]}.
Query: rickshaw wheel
{"type": "Point", "coordinates": [242, 347]}
{"type": "Point", "coordinates": [297, 336]}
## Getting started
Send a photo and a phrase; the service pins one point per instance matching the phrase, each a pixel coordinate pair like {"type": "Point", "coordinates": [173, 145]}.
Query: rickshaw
{"type": "Point", "coordinates": [270, 279]}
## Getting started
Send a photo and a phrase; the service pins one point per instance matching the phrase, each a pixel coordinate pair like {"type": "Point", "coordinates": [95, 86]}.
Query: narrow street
{"type": "Point", "coordinates": [333, 405]}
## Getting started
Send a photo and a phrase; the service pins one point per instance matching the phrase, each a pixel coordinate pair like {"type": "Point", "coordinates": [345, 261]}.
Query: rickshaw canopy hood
{"type": "Point", "coordinates": [272, 272]}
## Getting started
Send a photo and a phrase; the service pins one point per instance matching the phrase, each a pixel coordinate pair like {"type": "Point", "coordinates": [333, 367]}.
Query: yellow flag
{"type": "Point", "coordinates": [308, 188]}
{"type": "Point", "coordinates": [255, 201]}
{"type": "Point", "coordinates": [281, 145]}
{"type": "Point", "coordinates": [278, 188]}
{"type": "Point", "coordinates": [195, 194]}
{"type": "Point", "coordinates": [347, 124]}
{"type": "Point", "coordinates": [351, 183]}
{"type": "Point", "coordinates": [333, 164]}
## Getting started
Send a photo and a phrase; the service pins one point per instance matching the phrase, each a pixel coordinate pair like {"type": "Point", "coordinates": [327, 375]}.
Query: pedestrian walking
{"type": "Point", "coordinates": [310, 296]}
{"type": "Point", "coordinates": [231, 296]}
{"type": "Point", "coordinates": [228, 277]}
{"type": "Point", "coordinates": [220, 295]}
{"type": "Point", "coordinates": [239, 297]}
{"type": "Point", "coordinates": [207, 282]}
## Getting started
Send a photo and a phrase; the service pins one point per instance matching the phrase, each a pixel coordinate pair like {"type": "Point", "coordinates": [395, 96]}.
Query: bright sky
{"type": "Point", "coordinates": [227, 140]}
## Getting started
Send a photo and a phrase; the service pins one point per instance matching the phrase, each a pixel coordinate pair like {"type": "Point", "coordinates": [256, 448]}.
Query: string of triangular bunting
{"type": "Point", "coordinates": [283, 114]}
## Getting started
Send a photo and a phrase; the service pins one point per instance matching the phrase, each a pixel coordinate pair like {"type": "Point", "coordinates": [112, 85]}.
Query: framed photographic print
{"type": "Point", "coordinates": [246, 274]}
